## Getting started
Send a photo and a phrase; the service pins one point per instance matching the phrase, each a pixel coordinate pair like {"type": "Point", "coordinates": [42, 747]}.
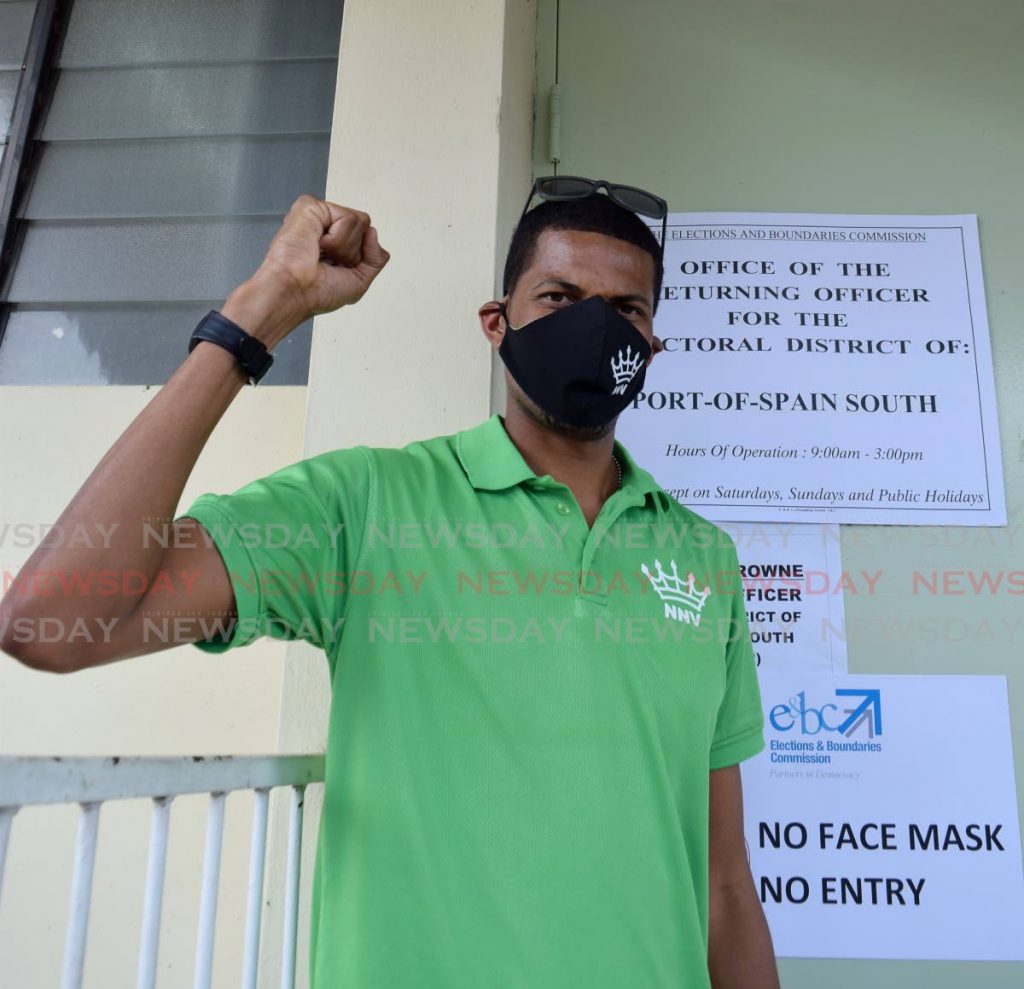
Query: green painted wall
{"type": "Point", "coordinates": [873, 106]}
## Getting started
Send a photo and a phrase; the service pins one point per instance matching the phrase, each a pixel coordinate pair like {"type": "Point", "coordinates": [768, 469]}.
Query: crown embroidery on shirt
{"type": "Point", "coordinates": [682, 600]}
{"type": "Point", "coordinates": [625, 364]}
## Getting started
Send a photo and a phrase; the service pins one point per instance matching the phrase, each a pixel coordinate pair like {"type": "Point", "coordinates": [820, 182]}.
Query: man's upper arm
{"type": "Point", "coordinates": [190, 592]}
{"type": "Point", "coordinates": [287, 544]}
{"type": "Point", "coordinates": [269, 559]}
{"type": "Point", "coordinates": [727, 853]}
{"type": "Point", "coordinates": [740, 951]}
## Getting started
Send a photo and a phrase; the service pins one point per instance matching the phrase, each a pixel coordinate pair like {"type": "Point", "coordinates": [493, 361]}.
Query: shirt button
{"type": "Point", "coordinates": [563, 508]}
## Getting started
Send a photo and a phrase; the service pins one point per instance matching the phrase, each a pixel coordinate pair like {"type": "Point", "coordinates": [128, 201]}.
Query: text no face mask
{"type": "Point", "coordinates": [582, 364]}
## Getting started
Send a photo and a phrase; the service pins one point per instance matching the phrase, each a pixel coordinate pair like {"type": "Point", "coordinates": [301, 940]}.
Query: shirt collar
{"type": "Point", "coordinates": [492, 462]}
{"type": "Point", "coordinates": [633, 475]}
{"type": "Point", "coordinates": [489, 457]}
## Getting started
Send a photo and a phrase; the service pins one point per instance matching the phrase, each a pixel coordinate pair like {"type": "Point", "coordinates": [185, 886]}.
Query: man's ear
{"type": "Point", "coordinates": [492, 323]}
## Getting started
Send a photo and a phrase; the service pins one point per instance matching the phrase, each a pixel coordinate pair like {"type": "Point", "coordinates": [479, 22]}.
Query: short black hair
{"type": "Point", "coordinates": [596, 214]}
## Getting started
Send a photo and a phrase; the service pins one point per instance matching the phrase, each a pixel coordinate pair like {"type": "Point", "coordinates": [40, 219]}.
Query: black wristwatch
{"type": "Point", "coordinates": [251, 353]}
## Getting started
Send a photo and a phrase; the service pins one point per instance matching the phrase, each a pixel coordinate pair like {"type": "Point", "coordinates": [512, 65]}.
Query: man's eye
{"type": "Point", "coordinates": [555, 296]}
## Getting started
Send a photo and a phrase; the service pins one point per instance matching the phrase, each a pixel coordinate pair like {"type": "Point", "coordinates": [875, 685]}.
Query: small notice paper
{"type": "Point", "coordinates": [822, 368]}
{"type": "Point", "coordinates": [794, 583]}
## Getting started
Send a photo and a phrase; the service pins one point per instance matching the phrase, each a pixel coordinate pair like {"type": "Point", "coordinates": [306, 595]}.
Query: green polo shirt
{"type": "Point", "coordinates": [524, 711]}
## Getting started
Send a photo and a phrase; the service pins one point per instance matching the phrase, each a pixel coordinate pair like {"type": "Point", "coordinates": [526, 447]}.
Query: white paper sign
{"type": "Point", "coordinates": [881, 820]}
{"type": "Point", "coordinates": [794, 585]}
{"type": "Point", "coordinates": [837, 366]}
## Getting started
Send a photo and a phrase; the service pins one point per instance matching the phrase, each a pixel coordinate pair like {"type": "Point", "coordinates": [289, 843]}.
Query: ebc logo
{"type": "Point", "coordinates": [808, 720]}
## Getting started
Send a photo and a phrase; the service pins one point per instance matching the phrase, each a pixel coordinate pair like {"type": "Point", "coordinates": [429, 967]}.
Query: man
{"type": "Point", "coordinates": [542, 681]}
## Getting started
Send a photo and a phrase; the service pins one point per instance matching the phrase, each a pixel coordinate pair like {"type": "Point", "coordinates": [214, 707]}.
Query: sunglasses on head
{"type": "Point", "coordinates": [562, 188]}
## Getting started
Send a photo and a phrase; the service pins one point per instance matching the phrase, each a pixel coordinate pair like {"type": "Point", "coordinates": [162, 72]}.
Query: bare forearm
{"type": "Point", "coordinates": [740, 952]}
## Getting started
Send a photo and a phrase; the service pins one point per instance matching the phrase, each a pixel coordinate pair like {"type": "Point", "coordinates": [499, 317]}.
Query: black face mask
{"type": "Point", "coordinates": [582, 364]}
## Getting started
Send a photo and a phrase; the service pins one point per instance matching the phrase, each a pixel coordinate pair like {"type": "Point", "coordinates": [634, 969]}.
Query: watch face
{"type": "Point", "coordinates": [253, 357]}
{"type": "Point", "coordinates": [249, 349]}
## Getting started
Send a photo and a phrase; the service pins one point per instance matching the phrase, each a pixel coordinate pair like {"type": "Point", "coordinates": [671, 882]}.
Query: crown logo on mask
{"type": "Point", "coordinates": [625, 364]}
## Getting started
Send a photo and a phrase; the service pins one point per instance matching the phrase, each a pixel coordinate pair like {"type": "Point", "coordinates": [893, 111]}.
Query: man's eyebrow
{"type": "Point", "coordinates": [561, 283]}
{"type": "Point", "coordinates": [631, 298]}
{"type": "Point", "coordinates": [570, 287]}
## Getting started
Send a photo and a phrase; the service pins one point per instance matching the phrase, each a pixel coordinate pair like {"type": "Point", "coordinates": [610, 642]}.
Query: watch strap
{"type": "Point", "coordinates": [251, 354]}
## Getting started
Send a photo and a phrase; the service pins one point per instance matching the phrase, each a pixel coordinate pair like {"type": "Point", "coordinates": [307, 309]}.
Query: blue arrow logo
{"type": "Point", "coordinates": [869, 710]}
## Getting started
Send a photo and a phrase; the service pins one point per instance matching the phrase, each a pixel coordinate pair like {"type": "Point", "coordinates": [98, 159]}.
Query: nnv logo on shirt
{"type": "Point", "coordinates": [682, 600]}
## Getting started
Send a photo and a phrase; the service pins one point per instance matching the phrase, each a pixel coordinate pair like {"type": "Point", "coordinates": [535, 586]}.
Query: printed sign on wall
{"type": "Point", "coordinates": [881, 819]}
{"type": "Point", "coordinates": [794, 583]}
{"type": "Point", "coordinates": [835, 366]}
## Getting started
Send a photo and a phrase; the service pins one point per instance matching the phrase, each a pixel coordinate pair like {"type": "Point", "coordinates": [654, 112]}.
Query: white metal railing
{"type": "Point", "coordinates": [90, 781]}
